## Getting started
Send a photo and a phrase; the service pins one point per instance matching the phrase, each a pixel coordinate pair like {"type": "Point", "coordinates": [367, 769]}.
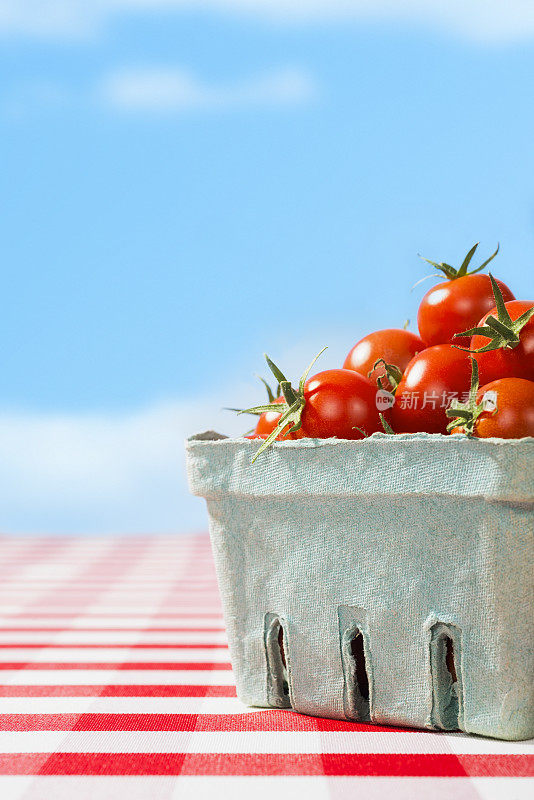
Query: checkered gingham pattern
{"type": "Point", "coordinates": [116, 683]}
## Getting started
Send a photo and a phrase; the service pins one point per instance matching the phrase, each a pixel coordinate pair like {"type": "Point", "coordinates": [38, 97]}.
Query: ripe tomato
{"type": "Point", "coordinates": [455, 306]}
{"type": "Point", "coordinates": [507, 362]}
{"type": "Point", "coordinates": [337, 403]}
{"type": "Point", "coordinates": [514, 414]}
{"type": "Point", "coordinates": [430, 382]}
{"type": "Point", "coordinates": [268, 420]}
{"type": "Point", "coordinates": [394, 345]}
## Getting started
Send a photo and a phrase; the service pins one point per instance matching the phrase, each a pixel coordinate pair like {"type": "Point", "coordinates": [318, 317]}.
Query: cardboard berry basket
{"type": "Point", "coordinates": [387, 580]}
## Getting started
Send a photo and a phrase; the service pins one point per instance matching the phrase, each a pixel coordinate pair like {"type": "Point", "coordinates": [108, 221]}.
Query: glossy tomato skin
{"type": "Point", "coordinates": [514, 417]}
{"type": "Point", "coordinates": [338, 402]}
{"type": "Point", "coordinates": [268, 421]}
{"type": "Point", "coordinates": [395, 345]}
{"type": "Point", "coordinates": [516, 362]}
{"type": "Point", "coordinates": [430, 382]}
{"type": "Point", "coordinates": [455, 306]}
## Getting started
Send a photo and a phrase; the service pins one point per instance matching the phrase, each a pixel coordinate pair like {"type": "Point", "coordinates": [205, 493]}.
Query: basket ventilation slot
{"type": "Point", "coordinates": [354, 641]}
{"type": "Point", "coordinates": [360, 670]}
{"type": "Point", "coordinates": [277, 662]}
{"type": "Point", "coordinates": [447, 699]}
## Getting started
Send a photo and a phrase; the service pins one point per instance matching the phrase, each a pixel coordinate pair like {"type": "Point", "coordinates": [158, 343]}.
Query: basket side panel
{"type": "Point", "coordinates": [240, 579]}
{"type": "Point", "coordinates": [406, 567]}
{"type": "Point", "coordinates": [322, 530]}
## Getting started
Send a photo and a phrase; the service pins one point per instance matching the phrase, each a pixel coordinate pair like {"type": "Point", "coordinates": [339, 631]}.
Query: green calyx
{"type": "Point", "coordinates": [270, 395]}
{"type": "Point", "coordinates": [290, 410]}
{"type": "Point", "coordinates": [452, 273]}
{"type": "Point", "coordinates": [465, 415]}
{"type": "Point", "coordinates": [502, 331]}
{"type": "Point", "coordinates": [393, 374]}
{"type": "Point", "coordinates": [385, 424]}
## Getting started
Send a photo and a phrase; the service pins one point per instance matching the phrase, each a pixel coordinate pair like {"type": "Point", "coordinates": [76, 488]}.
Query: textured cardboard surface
{"type": "Point", "coordinates": [420, 544]}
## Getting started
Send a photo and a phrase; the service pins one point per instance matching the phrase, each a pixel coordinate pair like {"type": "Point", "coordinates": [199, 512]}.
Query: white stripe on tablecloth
{"type": "Point", "coordinates": [124, 705]}
{"type": "Point", "coordinates": [65, 655]}
{"type": "Point", "coordinates": [106, 677]}
{"type": "Point", "coordinates": [314, 742]}
{"type": "Point", "coordinates": [46, 787]}
{"type": "Point", "coordinates": [73, 562]}
{"type": "Point", "coordinates": [84, 621]}
{"type": "Point", "coordinates": [155, 599]}
{"type": "Point", "coordinates": [75, 637]}
{"type": "Point", "coordinates": [317, 787]}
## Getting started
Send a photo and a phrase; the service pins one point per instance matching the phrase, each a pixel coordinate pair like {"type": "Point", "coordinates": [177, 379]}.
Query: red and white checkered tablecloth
{"type": "Point", "coordinates": [116, 683]}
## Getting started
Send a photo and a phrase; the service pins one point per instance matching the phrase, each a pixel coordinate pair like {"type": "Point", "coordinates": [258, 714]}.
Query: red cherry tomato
{"type": "Point", "coordinates": [268, 420]}
{"type": "Point", "coordinates": [455, 306]}
{"type": "Point", "coordinates": [430, 382]}
{"type": "Point", "coordinates": [514, 415]}
{"type": "Point", "coordinates": [395, 345]}
{"type": "Point", "coordinates": [507, 362]}
{"type": "Point", "coordinates": [340, 403]}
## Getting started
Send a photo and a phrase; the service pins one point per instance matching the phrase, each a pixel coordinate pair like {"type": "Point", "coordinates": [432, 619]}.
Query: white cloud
{"type": "Point", "coordinates": [176, 90]}
{"type": "Point", "coordinates": [89, 473]}
{"type": "Point", "coordinates": [479, 20]}
{"type": "Point", "coordinates": [124, 473]}
{"type": "Point", "coordinates": [163, 91]}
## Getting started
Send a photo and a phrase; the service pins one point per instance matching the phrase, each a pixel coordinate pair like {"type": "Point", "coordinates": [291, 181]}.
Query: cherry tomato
{"type": "Point", "coordinates": [268, 420]}
{"type": "Point", "coordinates": [395, 345]}
{"type": "Point", "coordinates": [340, 403]}
{"type": "Point", "coordinates": [455, 306]}
{"type": "Point", "coordinates": [430, 382]}
{"type": "Point", "coordinates": [507, 362]}
{"type": "Point", "coordinates": [514, 414]}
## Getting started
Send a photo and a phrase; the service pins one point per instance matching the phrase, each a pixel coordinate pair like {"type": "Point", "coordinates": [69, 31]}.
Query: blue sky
{"type": "Point", "coordinates": [186, 186]}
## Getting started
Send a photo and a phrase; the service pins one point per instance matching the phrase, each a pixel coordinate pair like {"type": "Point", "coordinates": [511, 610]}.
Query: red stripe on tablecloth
{"type": "Point", "coordinates": [118, 665]}
{"type": "Point", "coordinates": [114, 690]}
{"type": "Point", "coordinates": [31, 552]}
{"type": "Point", "coordinates": [370, 764]}
{"type": "Point", "coordinates": [251, 721]}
